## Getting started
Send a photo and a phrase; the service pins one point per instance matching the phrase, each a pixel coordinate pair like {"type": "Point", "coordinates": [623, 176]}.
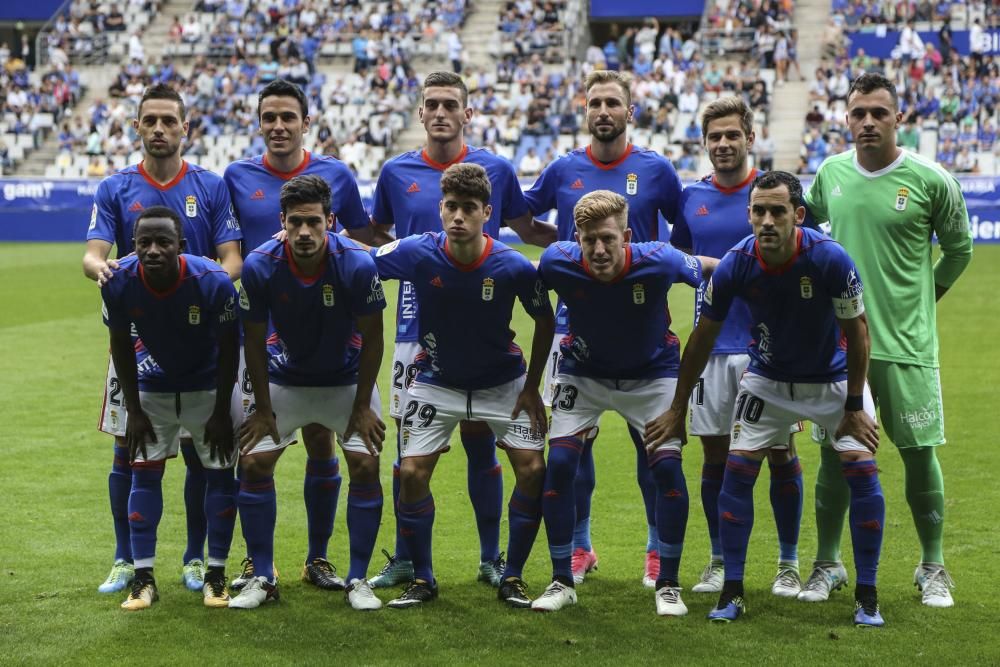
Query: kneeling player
{"type": "Point", "coordinates": [322, 295]}
{"type": "Point", "coordinates": [184, 309]}
{"type": "Point", "coordinates": [611, 287]}
{"type": "Point", "coordinates": [808, 360]}
{"type": "Point", "coordinates": [469, 368]}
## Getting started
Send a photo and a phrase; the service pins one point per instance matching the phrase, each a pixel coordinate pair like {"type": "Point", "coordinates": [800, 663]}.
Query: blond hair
{"type": "Point", "coordinates": [599, 76]}
{"type": "Point", "coordinates": [599, 205]}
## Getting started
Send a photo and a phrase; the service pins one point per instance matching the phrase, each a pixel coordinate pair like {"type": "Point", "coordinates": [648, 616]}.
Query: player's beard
{"type": "Point", "coordinates": [164, 150]}
{"type": "Point", "coordinates": [606, 135]}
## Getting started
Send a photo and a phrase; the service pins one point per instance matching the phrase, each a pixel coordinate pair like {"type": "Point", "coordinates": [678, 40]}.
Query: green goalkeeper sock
{"type": "Point", "coordinates": [925, 495]}
{"type": "Point", "coordinates": [832, 499]}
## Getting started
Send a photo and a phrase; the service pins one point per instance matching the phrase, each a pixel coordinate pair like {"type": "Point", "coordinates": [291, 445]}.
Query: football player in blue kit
{"type": "Point", "coordinates": [808, 360]}
{"type": "Point", "coordinates": [651, 185]}
{"type": "Point", "coordinates": [407, 197]}
{"type": "Point", "coordinates": [322, 296]}
{"type": "Point", "coordinates": [184, 309]}
{"type": "Point", "coordinates": [611, 288]}
{"type": "Point", "coordinates": [161, 178]}
{"type": "Point", "coordinates": [255, 186]}
{"type": "Point", "coordinates": [461, 276]}
{"type": "Point", "coordinates": [711, 220]}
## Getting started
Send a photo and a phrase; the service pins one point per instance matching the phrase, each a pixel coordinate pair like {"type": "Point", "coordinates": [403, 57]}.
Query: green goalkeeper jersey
{"type": "Point", "coordinates": [885, 221]}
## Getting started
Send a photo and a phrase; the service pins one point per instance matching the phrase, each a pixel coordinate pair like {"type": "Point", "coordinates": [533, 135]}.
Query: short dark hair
{"type": "Point", "coordinates": [162, 91]}
{"type": "Point", "coordinates": [445, 79]}
{"type": "Point", "coordinates": [775, 179]}
{"type": "Point", "coordinates": [467, 180]}
{"type": "Point", "coordinates": [306, 189]}
{"type": "Point", "coordinates": [869, 82]}
{"type": "Point", "coordinates": [282, 88]}
{"type": "Point", "coordinates": [160, 212]}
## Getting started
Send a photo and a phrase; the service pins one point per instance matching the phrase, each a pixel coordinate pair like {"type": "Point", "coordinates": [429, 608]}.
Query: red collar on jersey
{"type": "Point", "coordinates": [778, 270]}
{"type": "Point", "coordinates": [472, 266]}
{"type": "Point", "coordinates": [609, 165]}
{"type": "Point", "coordinates": [738, 186]}
{"type": "Point", "coordinates": [297, 272]}
{"type": "Point", "coordinates": [621, 274]}
{"type": "Point", "coordinates": [441, 166]}
{"type": "Point", "coordinates": [170, 290]}
{"type": "Point", "coordinates": [165, 186]}
{"type": "Point", "coordinates": [287, 175]}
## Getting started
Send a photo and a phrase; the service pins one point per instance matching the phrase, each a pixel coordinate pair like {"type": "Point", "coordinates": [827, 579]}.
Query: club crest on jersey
{"type": "Point", "coordinates": [194, 315]}
{"type": "Point", "coordinates": [488, 284]}
{"type": "Point", "coordinates": [806, 287]}
{"type": "Point", "coordinates": [191, 206]}
{"type": "Point", "coordinates": [632, 184]}
{"type": "Point", "coordinates": [902, 196]}
{"type": "Point", "coordinates": [638, 294]}
{"type": "Point", "coordinates": [328, 295]}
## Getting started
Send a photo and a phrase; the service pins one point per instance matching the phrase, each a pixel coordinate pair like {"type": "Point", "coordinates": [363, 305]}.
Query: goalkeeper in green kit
{"type": "Point", "coordinates": [883, 204]}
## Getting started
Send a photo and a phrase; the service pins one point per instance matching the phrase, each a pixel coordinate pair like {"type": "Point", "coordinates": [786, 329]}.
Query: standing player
{"type": "Point", "coordinates": [255, 187]}
{"type": "Point", "coordinates": [711, 220]}
{"type": "Point", "coordinates": [611, 286]}
{"type": "Point", "coordinates": [162, 178]}
{"type": "Point", "coordinates": [407, 196]}
{"type": "Point", "coordinates": [324, 299]}
{"type": "Point", "coordinates": [184, 309]}
{"type": "Point", "coordinates": [808, 361]}
{"type": "Point", "coordinates": [884, 205]}
{"type": "Point", "coordinates": [651, 186]}
{"type": "Point", "coordinates": [460, 276]}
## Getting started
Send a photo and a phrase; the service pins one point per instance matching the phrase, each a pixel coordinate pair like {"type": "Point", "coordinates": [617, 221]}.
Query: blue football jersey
{"type": "Point", "coordinates": [314, 318]}
{"type": "Point", "coordinates": [255, 188]}
{"type": "Point", "coordinates": [711, 220]}
{"type": "Point", "coordinates": [647, 180]}
{"type": "Point", "coordinates": [793, 308]}
{"type": "Point", "coordinates": [408, 194]}
{"type": "Point", "coordinates": [199, 196]}
{"type": "Point", "coordinates": [179, 327]}
{"type": "Point", "coordinates": [465, 309]}
{"type": "Point", "coordinates": [619, 329]}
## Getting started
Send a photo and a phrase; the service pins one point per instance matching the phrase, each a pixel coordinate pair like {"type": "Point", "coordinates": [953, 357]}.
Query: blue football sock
{"type": "Point", "coordinates": [194, 502]}
{"type": "Point", "coordinates": [321, 491]}
{"type": "Point", "coordinates": [258, 508]}
{"type": "Point", "coordinates": [672, 503]}
{"type": "Point", "coordinates": [524, 514]}
{"type": "Point", "coordinates": [736, 513]}
{"type": "Point", "coordinates": [402, 551]}
{"type": "Point", "coordinates": [647, 486]}
{"type": "Point", "coordinates": [867, 516]}
{"type": "Point", "coordinates": [364, 514]}
{"type": "Point", "coordinates": [220, 510]}
{"type": "Point", "coordinates": [485, 481]}
{"type": "Point", "coordinates": [585, 482]}
{"type": "Point", "coordinates": [559, 502]}
{"type": "Point", "coordinates": [711, 486]}
{"type": "Point", "coordinates": [416, 523]}
{"type": "Point", "coordinates": [786, 503]}
{"type": "Point", "coordinates": [119, 488]}
{"type": "Point", "coordinates": [145, 507]}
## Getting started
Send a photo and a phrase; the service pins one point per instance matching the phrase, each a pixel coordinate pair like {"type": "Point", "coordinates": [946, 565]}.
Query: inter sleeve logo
{"type": "Point", "coordinates": [376, 293]}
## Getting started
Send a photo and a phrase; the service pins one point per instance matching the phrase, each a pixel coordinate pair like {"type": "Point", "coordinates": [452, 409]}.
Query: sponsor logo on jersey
{"type": "Point", "coordinates": [191, 206]}
{"type": "Point", "coordinates": [702, 210]}
{"type": "Point", "coordinates": [244, 299]}
{"type": "Point", "coordinates": [836, 191]}
{"type": "Point", "coordinates": [135, 207]}
{"type": "Point", "coordinates": [638, 294]}
{"type": "Point", "coordinates": [806, 287]}
{"type": "Point", "coordinates": [488, 284]}
{"type": "Point", "coordinates": [194, 315]}
{"type": "Point", "coordinates": [386, 249]}
{"type": "Point", "coordinates": [577, 185]}
{"type": "Point", "coordinates": [93, 217]}
{"type": "Point", "coordinates": [902, 196]}
{"type": "Point", "coordinates": [632, 184]}
{"type": "Point", "coordinates": [259, 194]}
{"type": "Point", "coordinates": [328, 295]}
{"type": "Point", "coordinates": [376, 293]}
{"type": "Point", "coordinates": [918, 419]}
{"type": "Point", "coordinates": [413, 188]}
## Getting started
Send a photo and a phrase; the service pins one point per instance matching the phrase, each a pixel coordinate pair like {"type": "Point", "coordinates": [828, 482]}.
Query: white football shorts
{"type": "Point", "coordinates": [172, 412]}
{"type": "Point", "coordinates": [404, 370]}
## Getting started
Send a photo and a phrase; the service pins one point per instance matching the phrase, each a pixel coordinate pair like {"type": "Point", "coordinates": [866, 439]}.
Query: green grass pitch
{"type": "Point", "coordinates": [56, 538]}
